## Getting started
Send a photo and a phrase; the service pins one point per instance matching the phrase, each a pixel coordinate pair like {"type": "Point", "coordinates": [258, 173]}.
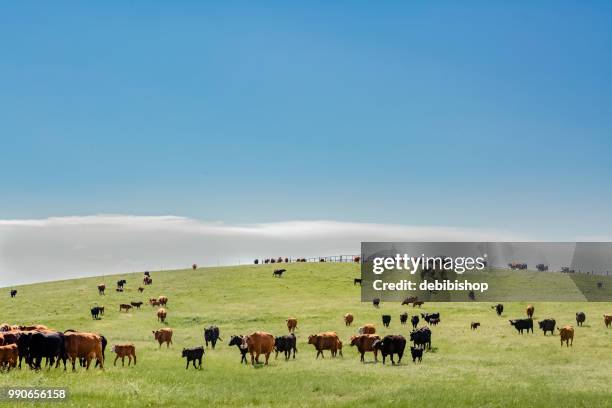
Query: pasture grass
{"type": "Point", "coordinates": [490, 367]}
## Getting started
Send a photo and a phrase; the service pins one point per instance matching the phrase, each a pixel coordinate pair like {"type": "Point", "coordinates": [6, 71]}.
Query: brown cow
{"type": "Point", "coordinates": [153, 302]}
{"type": "Point", "coordinates": [125, 307]}
{"type": "Point", "coordinates": [161, 315]}
{"type": "Point", "coordinates": [567, 335]}
{"type": "Point", "coordinates": [38, 327]}
{"type": "Point", "coordinates": [530, 310]}
{"type": "Point", "coordinates": [5, 327]}
{"type": "Point", "coordinates": [83, 345]}
{"type": "Point", "coordinates": [367, 329]}
{"type": "Point", "coordinates": [162, 300]}
{"type": "Point", "coordinates": [364, 344]}
{"type": "Point", "coordinates": [325, 341]}
{"type": "Point", "coordinates": [163, 336]}
{"type": "Point", "coordinates": [8, 356]}
{"type": "Point", "coordinates": [101, 288]}
{"type": "Point", "coordinates": [607, 320]}
{"type": "Point", "coordinates": [348, 319]}
{"type": "Point", "coordinates": [123, 351]}
{"type": "Point", "coordinates": [259, 343]}
{"type": "Point", "coordinates": [291, 324]}
{"type": "Point", "coordinates": [1, 339]}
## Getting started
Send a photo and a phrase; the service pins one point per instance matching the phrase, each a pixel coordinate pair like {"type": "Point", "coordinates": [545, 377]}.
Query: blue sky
{"type": "Point", "coordinates": [461, 114]}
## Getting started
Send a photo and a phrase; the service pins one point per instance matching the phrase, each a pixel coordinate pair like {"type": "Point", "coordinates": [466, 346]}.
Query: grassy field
{"type": "Point", "coordinates": [490, 367]}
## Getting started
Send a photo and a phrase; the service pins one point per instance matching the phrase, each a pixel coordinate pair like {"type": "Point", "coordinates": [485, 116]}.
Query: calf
{"type": "Point", "coordinates": [415, 321]}
{"type": "Point", "coordinates": [348, 319]}
{"type": "Point", "coordinates": [499, 309]}
{"type": "Point", "coordinates": [163, 336]}
{"type": "Point", "coordinates": [123, 351]}
{"type": "Point", "coordinates": [95, 312]}
{"type": "Point", "coordinates": [193, 355]}
{"type": "Point", "coordinates": [530, 309]}
{"type": "Point", "coordinates": [211, 334]}
{"type": "Point", "coordinates": [390, 345]}
{"type": "Point", "coordinates": [8, 356]}
{"type": "Point", "coordinates": [136, 304]}
{"type": "Point", "coordinates": [278, 273]}
{"type": "Point", "coordinates": [417, 354]}
{"type": "Point", "coordinates": [567, 335]}
{"type": "Point", "coordinates": [285, 344]}
{"type": "Point", "coordinates": [291, 324]}
{"type": "Point", "coordinates": [376, 302]}
{"type": "Point", "coordinates": [474, 325]}
{"type": "Point", "coordinates": [239, 342]}
{"type": "Point", "coordinates": [386, 320]}
{"type": "Point", "coordinates": [522, 324]}
{"type": "Point", "coordinates": [547, 325]}
{"type": "Point", "coordinates": [125, 307]}
{"type": "Point", "coordinates": [580, 318]}
{"type": "Point", "coordinates": [403, 318]}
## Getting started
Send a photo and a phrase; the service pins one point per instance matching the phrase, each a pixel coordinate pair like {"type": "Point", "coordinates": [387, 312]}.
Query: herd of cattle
{"type": "Point", "coordinates": [37, 342]}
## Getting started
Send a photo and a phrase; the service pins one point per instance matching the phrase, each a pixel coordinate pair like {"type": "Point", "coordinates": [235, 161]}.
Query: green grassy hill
{"type": "Point", "coordinates": [493, 366]}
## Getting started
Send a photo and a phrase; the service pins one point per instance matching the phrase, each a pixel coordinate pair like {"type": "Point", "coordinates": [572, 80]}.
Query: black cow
{"type": "Point", "coordinates": [121, 282]}
{"type": "Point", "coordinates": [357, 281]}
{"type": "Point", "coordinates": [211, 334]}
{"type": "Point", "coordinates": [580, 318]}
{"type": "Point", "coordinates": [417, 354]}
{"type": "Point", "coordinates": [285, 344]}
{"type": "Point", "coordinates": [47, 345]}
{"type": "Point", "coordinates": [499, 309]}
{"type": "Point", "coordinates": [23, 346]}
{"type": "Point", "coordinates": [278, 272]}
{"type": "Point", "coordinates": [13, 293]}
{"type": "Point", "coordinates": [386, 319]}
{"type": "Point", "coordinates": [193, 355]}
{"type": "Point", "coordinates": [522, 324]}
{"type": "Point", "coordinates": [389, 345]}
{"type": "Point", "coordinates": [239, 342]}
{"type": "Point", "coordinates": [96, 312]}
{"type": "Point", "coordinates": [415, 321]}
{"type": "Point", "coordinates": [147, 273]}
{"type": "Point", "coordinates": [472, 295]}
{"type": "Point", "coordinates": [136, 304]}
{"type": "Point", "coordinates": [403, 318]}
{"type": "Point", "coordinates": [547, 325]}
{"type": "Point", "coordinates": [376, 302]}
{"type": "Point", "coordinates": [429, 316]}
{"type": "Point", "coordinates": [421, 337]}
{"type": "Point", "coordinates": [434, 321]}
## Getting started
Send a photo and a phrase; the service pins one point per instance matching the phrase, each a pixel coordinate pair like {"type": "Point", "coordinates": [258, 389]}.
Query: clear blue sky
{"type": "Point", "coordinates": [477, 114]}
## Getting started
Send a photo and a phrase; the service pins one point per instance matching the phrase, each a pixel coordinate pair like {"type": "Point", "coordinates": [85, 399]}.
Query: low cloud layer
{"type": "Point", "coordinates": [68, 247]}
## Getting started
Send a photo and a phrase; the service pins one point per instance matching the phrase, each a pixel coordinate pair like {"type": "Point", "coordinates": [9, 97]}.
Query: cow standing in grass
{"type": "Point", "coordinates": [101, 288]}
{"type": "Point", "coordinates": [123, 351]}
{"type": "Point", "coordinates": [211, 334]}
{"type": "Point", "coordinates": [239, 342]}
{"type": "Point", "coordinates": [567, 335]}
{"type": "Point", "coordinates": [580, 318]}
{"type": "Point", "coordinates": [348, 319]}
{"type": "Point", "coordinates": [193, 355]}
{"type": "Point", "coordinates": [291, 324]}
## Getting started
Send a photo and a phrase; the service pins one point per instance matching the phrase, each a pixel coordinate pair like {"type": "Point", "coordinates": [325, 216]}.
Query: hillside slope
{"type": "Point", "coordinates": [490, 366]}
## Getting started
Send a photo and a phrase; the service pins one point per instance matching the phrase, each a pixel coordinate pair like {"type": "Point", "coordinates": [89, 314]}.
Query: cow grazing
{"type": "Point", "coordinates": [8, 356]}
{"type": "Point", "coordinates": [522, 324]}
{"type": "Point", "coordinates": [357, 281]}
{"type": "Point", "coordinates": [415, 321]}
{"type": "Point", "coordinates": [13, 293]}
{"type": "Point", "coordinates": [163, 336]}
{"type": "Point", "coordinates": [278, 273]}
{"type": "Point", "coordinates": [136, 304]}
{"type": "Point", "coordinates": [193, 355]}
{"type": "Point", "coordinates": [364, 343]}
{"type": "Point", "coordinates": [403, 318]}
{"type": "Point", "coordinates": [474, 325]}
{"type": "Point", "coordinates": [418, 303]}
{"type": "Point", "coordinates": [101, 288]}
{"type": "Point", "coordinates": [239, 342]}
{"type": "Point", "coordinates": [140, 289]}
{"type": "Point", "coordinates": [428, 317]}
{"type": "Point", "coordinates": [386, 320]}
{"type": "Point", "coordinates": [417, 354]}
{"type": "Point", "coordinates": [325, 341]}
{"type": "Point", "coordinates": [367, 329]}
{"type": "Point", "coordinates": [95, 312]}
{"type": "Point", "coordinates": [376, 302]}
{"type": "Point", "coordinates": [348, 319]}
{"type": "Point", "coordinates": [153, 302]}
{"type": "Point", "coordinates": [390, 345]}
{"type": "Point", "coordinates": [580, 318]}
{"type": "Point", "coordinates": [285, 344]}
{"type": "Point", "coordinates": [162, 300]}
{"type": "Point", "coordinates": [291, 324]}
{"type": "Point", "coordinates": [530, 309]}
{"type": "Point", "coordinates": [567, 335]}
{"type": "Point", "coordinates": [124, 306]}
{"type": "Point", "coordinates": [211, 334]}
{"type": "Point", "coordinates": [499, 309]}
{"type": "Point", "coordinates": [607, 320]}
{"type": "Point", "coordinates": [83, 345]}
{"type": "Point", "coordinates": [434, 321]}
{"type": "Point", "coordinates": [409, 300]}
{"type": "Point", "coordinates": [122, 351]}
{"type": "Point", "coordinates": [259, 343]}
{"type": "Point", "coordinates": [161, 315]}
{"type": "Point", "coordinates": [548, 325]}
{"type": "Point", "coordinates": [421, 337]}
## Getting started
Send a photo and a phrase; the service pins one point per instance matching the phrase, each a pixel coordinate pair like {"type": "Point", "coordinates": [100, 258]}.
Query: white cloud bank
{"type": "Point", "coordinates": [68, 247]}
